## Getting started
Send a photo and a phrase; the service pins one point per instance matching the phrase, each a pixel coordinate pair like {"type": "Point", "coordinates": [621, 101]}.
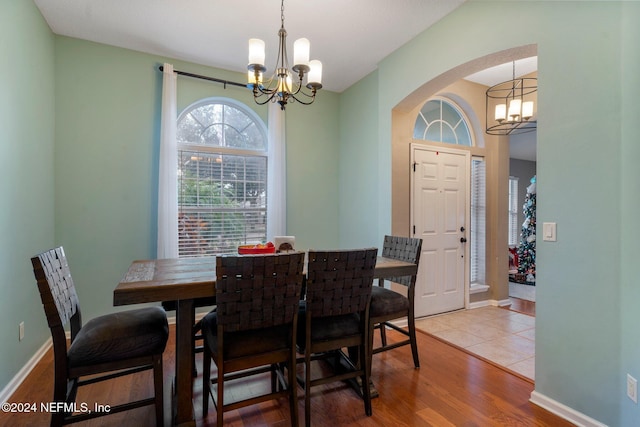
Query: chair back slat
{"type": "Point", "coordinates": [56, 287]}
{"type": "Point", "coordinates": [403, 249]}
{"type": "Point", "coordinates": [254, 292]}
{"type": "Point", "coordinates": [339, 282]}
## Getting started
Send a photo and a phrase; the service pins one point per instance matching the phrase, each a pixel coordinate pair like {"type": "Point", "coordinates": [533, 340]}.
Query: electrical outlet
{"type": "Point", "coordinates": [632, 388]}
{"type": "Point", "coordinates": [21, 331]}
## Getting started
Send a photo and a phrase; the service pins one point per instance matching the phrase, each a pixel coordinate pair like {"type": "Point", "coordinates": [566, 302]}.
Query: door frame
{"type": "Point", "coordinates": [438, 147]}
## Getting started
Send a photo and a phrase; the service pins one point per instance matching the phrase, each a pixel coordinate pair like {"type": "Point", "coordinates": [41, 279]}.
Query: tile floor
{"type": "Point", "coordinates": [501, 336]}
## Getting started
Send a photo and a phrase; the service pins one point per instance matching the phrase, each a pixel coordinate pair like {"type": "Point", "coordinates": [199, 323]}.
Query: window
{"type": "Point", "coordinates": [222, 178]}
{"type": "Point", "coordinates": [478, 220]}
{"type": "Point", "coordinates": [441, 121]}
{"type": "Point", "coordinates": [513, 211]}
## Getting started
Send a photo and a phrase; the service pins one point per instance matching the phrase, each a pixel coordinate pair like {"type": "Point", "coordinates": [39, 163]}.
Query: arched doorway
{"type": "Point", "coordinates": [494, 149]}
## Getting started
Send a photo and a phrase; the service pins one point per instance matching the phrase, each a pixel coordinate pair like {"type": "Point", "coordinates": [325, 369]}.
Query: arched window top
{"type": "Point", "coordinates": [442, 121]}
{"type": "Point", "coordinates": [221, 122]}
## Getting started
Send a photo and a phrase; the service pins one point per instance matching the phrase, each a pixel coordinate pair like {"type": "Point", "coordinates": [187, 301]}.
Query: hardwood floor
{"type": "Point", "coordinates": [452, 388]}
{"type": "Point", "coordinates": [522, 306]}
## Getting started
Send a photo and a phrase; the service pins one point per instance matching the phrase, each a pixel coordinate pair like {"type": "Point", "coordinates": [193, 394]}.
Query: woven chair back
{"type": "Point", "coordinates": [261, 291]}
{"type": "Point", "coordinates": [339, 282]}
{"type": "Point", "coordinates": [56, 287]}
{"type": "Point", "coordinates": [403, 249]}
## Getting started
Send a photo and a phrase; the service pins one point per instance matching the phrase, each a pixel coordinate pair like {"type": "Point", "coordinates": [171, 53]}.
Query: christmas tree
{"type": "Point", "coordinates": [527, 248]}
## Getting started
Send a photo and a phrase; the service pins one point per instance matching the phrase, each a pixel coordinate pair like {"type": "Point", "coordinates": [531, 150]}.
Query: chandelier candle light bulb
{"type": "Point", "coordinates": [301, 54]}
{"type": "Point", "coordinates": [256, 53]}
{"type": "Point", "coordinates": [514, 109]}
{"type": "Point", "coordinates": [501, 112]}
{"type": "Point", "coordinates": [314, 79]}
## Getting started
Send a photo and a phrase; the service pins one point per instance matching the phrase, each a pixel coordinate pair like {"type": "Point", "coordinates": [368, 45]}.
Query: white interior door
{"type": "Point", "coordinates": [439, 213]}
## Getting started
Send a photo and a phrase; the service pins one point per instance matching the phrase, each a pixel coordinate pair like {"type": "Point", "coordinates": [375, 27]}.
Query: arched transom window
{"type": "Point", "coordinates": [441, 121]}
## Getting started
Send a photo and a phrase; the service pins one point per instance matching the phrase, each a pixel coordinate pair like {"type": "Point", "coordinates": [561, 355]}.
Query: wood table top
{"type": "Point", "coordinates": [187, 278]}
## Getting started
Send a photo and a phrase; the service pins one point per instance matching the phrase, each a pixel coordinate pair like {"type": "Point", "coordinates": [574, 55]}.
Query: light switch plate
{"type": "Point", "coordinates": [549, 231]}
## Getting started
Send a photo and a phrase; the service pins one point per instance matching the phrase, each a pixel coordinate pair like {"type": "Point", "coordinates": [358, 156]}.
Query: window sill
{"type": "Point", "coordinates": [477, 288]}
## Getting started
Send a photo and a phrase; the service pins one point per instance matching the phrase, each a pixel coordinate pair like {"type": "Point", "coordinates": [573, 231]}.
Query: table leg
{"type": "Point", "coordinates": [184, 363]}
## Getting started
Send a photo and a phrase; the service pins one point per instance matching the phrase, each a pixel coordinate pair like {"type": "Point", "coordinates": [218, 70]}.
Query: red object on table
{"type": "Point", "coordinates": [253, 250]}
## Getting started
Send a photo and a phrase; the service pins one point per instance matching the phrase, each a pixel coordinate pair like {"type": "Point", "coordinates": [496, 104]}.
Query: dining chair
{"type": "Point", "coordinates": [335, 315]}
{"type": "Point", "coordinates": [104, 348]}
{"type": "Point", "coordinates": [388, 305]}
{"type": "Point", "coordinates": [253, 329]}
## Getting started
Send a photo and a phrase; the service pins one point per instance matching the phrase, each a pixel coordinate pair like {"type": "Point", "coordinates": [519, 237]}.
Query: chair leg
{"type": "Point", "coordinates": [383, 333]}
{"type": "Point", "coordinates": [158, 379]}
{"type": "Point", "coordinates": [193, 350]}
{"type": "Point", "coordinates": [307, 387]}
{"type": "Point", "coordinates": [206, 380]}
{"type": "Point", "coordinates": [60, 395]}
{"type": "Point", "coordinates": [369, 353]}
{"type": "Point", "coordinates": [414, 343]}
{"type": "Point", "coordinates": [293, 390]}
{"type": "Point", "coordinates": [220, 402]}
{"type": "Point", "coordinates": [366, 389]}
{"type": "Point", "coordinates": [274, 378]}
{"type": "Point", "coordinates": [57, 419]}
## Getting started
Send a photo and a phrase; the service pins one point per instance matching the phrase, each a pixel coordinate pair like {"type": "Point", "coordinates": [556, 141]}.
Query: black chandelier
{"type": "Point", "coordinates": [510, 106]}
{"type": "Point", "coordinates": [280, 87]}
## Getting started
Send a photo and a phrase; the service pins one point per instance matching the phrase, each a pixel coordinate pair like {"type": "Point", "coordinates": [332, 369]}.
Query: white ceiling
{"type": "Point", "coordinates": [494, 75]}
{"type": "Point", "coordinates": [349, 37]}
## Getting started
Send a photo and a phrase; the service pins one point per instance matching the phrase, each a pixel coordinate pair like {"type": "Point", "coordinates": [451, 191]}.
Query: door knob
{"type": "Point", "coordinates": [463, 240]}
{"type": "Point", "coordinates": [462, 229]}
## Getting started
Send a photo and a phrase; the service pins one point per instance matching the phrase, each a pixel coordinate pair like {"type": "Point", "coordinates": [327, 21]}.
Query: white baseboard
{"type": "Point", "coordinates": [489, 302]}
{"type": "Point", "coordinates": [563, 411]}
{"type": "Point", "coordinates": [15, 382]}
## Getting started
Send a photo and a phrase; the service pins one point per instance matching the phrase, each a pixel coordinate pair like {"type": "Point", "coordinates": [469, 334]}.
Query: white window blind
{"type": "Point", "coordinates": [478, 221]}
{"type": "Point", "coordinates": [222, 179]}
{"type": "Point", "coordinates": [513, 211]}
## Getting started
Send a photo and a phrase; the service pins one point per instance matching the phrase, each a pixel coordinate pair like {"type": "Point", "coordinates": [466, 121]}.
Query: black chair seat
{"type": "Point", "coordinates": [120, 336]}
{"type": "Point", "coordinates": [326, 328]}
{"type": "Point", "coordinates": [245, 343]}
{"type": "Point", "coordinates": [385, 301]}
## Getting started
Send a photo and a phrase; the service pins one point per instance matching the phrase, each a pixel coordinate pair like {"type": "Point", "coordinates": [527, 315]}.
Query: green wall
{"type": "Point", "coordinates": [578, 357]}
{"type": "Point", "coordinates": [107, 141]}
{"type": "Point", "coordinates": [586, 335]}
{"type": "Point", "coordinates": [26, 170]}
{"type": "Point", "coordinates": [359, 171]}
{"type": "Point", "coordinates": [629, 208]}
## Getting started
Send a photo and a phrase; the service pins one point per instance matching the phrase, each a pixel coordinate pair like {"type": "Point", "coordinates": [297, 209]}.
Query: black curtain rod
{"type": "Point", "coordinates": [211, 79]}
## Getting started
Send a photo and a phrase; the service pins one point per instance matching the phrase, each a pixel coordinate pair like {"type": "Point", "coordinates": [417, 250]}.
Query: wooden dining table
{"type": "Point", "coordinates": [183, 280]}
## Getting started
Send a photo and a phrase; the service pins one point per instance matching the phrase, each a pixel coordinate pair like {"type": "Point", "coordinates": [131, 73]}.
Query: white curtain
{"type": "Point", "coordinates": [277, 174]}
{"type": "Point", "coordinates": [167, 177]}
